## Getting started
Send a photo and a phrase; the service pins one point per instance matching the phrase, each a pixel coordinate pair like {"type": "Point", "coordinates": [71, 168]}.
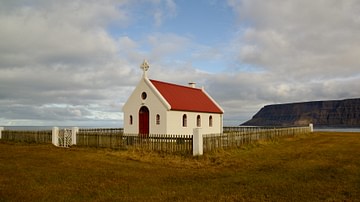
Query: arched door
{"type": "Point", "coordinates": [144, 121]}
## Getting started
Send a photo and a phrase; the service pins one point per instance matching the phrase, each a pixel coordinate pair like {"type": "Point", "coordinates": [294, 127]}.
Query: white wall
{"type": "Point", "coordinates": [174, 122]}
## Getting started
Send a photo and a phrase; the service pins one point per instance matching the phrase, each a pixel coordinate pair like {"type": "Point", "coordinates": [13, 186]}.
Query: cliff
{"type": "Point", "coordinates": [334, 113]}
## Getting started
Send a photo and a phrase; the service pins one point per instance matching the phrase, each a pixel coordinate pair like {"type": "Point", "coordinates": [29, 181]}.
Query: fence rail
{"type": "Point", "coordinates": [238, 136]}
{"type": "Point", "coordinates": [105, 130]}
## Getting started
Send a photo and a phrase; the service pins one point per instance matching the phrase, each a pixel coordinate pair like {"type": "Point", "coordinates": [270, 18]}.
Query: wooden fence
{"type": "Point", "coordinates": [41, 136]}
{"type": "Point", "coordinates": [161, 142]}
{"type": "Point", "coordinates": [99, 138]}
{"type": "Point", "coordinates": [227, 129]}
{"type": "Point", "coordinates": [116, 139]}
{"type": "Point", "coordinates": [102, 130]}
{"type": "Point", "coordinates": [238, 136]}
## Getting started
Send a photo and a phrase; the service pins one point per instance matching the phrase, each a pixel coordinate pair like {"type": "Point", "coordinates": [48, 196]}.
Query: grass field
{"type": "Point", "coordinates": [323, 166]}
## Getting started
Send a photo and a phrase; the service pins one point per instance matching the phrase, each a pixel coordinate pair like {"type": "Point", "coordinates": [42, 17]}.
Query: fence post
{"type": "Point", "coordinates": [55, 135]}
{"type": "Point", "coordinates": [74, 131]}
{"type": "Point", "coordinates": [1, 129]}
{"type": "Point", "coordinates": [197, 142]}
{"type": "Point", "coordinates": [311, 126]}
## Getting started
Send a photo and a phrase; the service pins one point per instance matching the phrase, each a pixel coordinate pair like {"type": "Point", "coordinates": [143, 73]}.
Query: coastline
{"type": "Point", "coordinates": [330, 129]}
{"type": "Point", "coordinates": [35, 128]}
{"type": "Point", "coordinates": [38, 128]}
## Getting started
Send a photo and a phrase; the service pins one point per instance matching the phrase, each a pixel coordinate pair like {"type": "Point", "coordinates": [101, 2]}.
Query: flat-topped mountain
{"type": "Point", "coordinates": [333, 113]}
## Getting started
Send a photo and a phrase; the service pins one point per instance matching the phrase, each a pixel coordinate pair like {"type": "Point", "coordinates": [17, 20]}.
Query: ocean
{"type": "Point", "coordinates": [35, 128]}
{"type": "Point", "coordinates": [337, 129]}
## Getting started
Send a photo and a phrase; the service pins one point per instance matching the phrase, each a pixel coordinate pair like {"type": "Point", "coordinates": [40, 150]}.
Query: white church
{"type": "Point", "coordinates": [157, 107]}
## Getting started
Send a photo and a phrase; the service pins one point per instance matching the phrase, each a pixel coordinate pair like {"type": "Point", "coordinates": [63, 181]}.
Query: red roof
{"type": "Point", "coordinates": [183, 98]}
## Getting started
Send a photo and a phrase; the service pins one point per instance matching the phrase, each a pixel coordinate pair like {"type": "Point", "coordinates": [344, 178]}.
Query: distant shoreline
{"type": "Point", "coordinates": [342, 129]}
{"type": "Point", "coordinates": [34, 128]}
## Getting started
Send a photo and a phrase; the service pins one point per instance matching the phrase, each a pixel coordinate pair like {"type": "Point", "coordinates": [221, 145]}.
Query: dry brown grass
{"type": "Point", "coordinates": [317, 167]}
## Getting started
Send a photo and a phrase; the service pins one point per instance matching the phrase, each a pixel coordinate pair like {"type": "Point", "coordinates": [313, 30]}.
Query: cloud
{"type": "Point", "coordinates": [300, 38]}
{"type": "Point", "coordinates": [167, 44]}
{"type": "Point", "coordinates": [56, 34]}
{"type": "Point", "coordinates": [58, 60]}
{"type": "Point", "coordinates": [168, 11]}
{"type": "Point", "coordinates": [290, 52]}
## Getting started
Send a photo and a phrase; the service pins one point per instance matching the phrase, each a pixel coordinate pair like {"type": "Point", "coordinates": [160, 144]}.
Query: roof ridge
{"type": "Point", "coordinates": [174, 84]}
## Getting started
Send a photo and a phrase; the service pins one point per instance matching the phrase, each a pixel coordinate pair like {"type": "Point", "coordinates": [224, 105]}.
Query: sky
{"type": "Point", "coordinates": [75, 62]}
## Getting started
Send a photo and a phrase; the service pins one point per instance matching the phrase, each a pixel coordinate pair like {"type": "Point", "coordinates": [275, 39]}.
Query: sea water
{"type": "Point", "coordinates": [26, 128]}
{"type": "Point", "coordinates": [337, 129]}
{"type": "Point", "coordinates": [37, 128]}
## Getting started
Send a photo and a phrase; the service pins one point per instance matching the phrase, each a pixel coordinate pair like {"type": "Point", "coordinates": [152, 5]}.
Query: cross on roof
{"type": "Point", "coordinates": [145, 66]}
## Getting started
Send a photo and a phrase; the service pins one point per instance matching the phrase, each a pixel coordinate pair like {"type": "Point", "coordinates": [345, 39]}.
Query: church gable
{"type": "Point", "coordinates": [145, 94]}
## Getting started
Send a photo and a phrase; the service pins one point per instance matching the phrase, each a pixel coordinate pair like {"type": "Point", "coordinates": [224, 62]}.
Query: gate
{"type": "Point", "coordinates": [64, 138]}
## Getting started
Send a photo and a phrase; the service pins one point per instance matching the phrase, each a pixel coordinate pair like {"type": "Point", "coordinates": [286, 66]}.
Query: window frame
{"type": "Point", "coordinates": [157, 119]}
{"type": "Point", "coordinates": [184, 120]}
{"type": "Point", "coordinates": [143, 95]}
{"type": "Point", "coordinates": [198, 120]}
{"type": "Point", "coordinates": [131, 120]}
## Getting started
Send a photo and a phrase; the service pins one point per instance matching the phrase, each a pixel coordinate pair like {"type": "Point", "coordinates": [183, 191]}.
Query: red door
{"type": "Point", "coordinates": [144, 121]}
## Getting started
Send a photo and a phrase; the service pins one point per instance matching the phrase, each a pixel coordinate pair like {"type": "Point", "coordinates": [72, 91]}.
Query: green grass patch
{"type": "Point", "coordinates": [317, 167]}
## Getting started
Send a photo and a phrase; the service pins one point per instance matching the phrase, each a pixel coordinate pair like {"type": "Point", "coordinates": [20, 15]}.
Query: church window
{"type": "Point", "coordinates": [157, 119]}
{"type": "Point", "coordinates": [143, 95]}
{"type": "Point", "coordinates": [198, 121]}
{"type": "Point", "coordinates": [184, 120]}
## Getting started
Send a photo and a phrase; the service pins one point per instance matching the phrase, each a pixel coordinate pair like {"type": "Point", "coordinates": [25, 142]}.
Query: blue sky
{"type": "Point", "coordinates": [207, 23]}
{"type": "Point", "coordinates": [204, 23]}
{"type": "Point", "coordinates": [76, 62]}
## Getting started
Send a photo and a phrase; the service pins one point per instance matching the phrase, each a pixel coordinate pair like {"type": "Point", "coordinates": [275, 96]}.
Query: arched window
{"type": "Point", "coordinates": [184, 120]}
{"type": "Point", "coordinates": [210, 121]}
{"type": "Point", "coordinates": [198, 121]}
{"type": "Point", "coordinates": [131, 120]}
{"type": "Point", "coordinates": [143, 95]}
{"type": "Point", "coordinates": [157, 119]}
